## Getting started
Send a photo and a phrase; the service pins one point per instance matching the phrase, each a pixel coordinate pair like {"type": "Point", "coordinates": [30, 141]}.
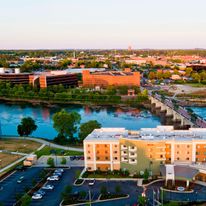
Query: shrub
{"type": "Point", "coordinates": [50, 162]}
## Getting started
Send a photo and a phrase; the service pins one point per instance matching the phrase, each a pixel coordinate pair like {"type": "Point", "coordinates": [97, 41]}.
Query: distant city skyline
{"type": "Point", "coordinates": [108, 24]}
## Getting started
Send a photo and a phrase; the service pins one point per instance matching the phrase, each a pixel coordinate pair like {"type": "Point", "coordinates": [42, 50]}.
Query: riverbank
{"type": "Point", "coordinates": [56, 103]}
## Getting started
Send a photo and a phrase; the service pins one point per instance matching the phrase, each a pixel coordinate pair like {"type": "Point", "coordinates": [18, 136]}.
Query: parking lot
{"type": "Point", "coordinates": [10, 188]}
{"type": "Point", "coordinates": [53, 197]}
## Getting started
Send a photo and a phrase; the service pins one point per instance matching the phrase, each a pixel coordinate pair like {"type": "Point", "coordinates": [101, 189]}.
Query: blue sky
{"type": "Point", "coordinates": [66, 24]}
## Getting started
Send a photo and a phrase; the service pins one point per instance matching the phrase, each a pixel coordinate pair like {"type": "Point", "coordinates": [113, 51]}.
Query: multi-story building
{"type": "Point", "coordinates": [55, 78]}
{"type": "Point", "coordinates": [111, 78]}
{"type": "Point", "coordinates": [151, 149]}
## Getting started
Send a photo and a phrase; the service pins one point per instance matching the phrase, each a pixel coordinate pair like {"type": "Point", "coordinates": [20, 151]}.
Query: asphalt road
{"type": "Point", "coordinates": [11, 188]}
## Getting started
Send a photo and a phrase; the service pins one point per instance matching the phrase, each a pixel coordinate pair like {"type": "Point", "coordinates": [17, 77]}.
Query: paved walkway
{"type": "Point", "coordinates": [47, 143]}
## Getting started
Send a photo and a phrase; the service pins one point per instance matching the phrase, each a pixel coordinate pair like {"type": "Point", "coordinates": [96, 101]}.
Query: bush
{"type": "Point", "coordinates": [50, 162]}
{"type": "Point", "coordinates": [63, 161]}
{"type": "Point", "coordinates": [103, 190]}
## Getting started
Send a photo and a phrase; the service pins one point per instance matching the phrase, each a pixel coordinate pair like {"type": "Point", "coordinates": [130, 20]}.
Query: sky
{"type": "Point", "coordinates": [102, 24]}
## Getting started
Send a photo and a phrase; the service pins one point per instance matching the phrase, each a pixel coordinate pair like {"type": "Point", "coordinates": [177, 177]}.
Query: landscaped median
{"type": "Point", "coordinates": [84, 197]}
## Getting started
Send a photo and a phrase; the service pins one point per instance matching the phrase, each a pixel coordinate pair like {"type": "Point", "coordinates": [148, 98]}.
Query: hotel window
{"type": "Point", "coordinates": [161, 156]}
{"type": "Point", "coordinates": [88, 145]}
{"type": "Point", "coordinates": [97, 152]}
{"type": "Point", "coordinates": [106, 158]}
{"type": "Point", "coordinates": [170, 158]}
{"type": "Point", "coordinates": [88, 152]}
{"type": "Point", "coordinates": [132, 147]}
{"type": "Point", "coordinates": [150, 156]}
{"type": "Point", "coordinates": [178, 146]}
{"type": "Point", "coordinates": [188, 146]}
{"type": "Point", "coordinates": [187, 158]}
{"type": "Point", "coordinates": [177, 152]}
{"type": "Point", "coordinates": [89, 168]}
{"type": "Point", "coordinates": [97, 158]}
{"type": "Point", "coordinates": [88, 158]}
{"type": "Point", "coordinates": [106, 152]}
{"type": "Point", "coordinates": [98, 168]}
{"type": "Point", "coordinates": [188, 152]}
{"type": "Point", "coordinates": [197, 159]}
{"type": "Point", "coordinates": [115, 145]}
{"type": "Point", "coordinates": [178, 158]}
{"type": "Point", "coordinates": [105, 145]}
{"type": "Point", "coordinates": [197, 153]}
{"type": "Point", "coordinates": [115, 152]}
{"type": "Point", "coordinates": [115, 158]}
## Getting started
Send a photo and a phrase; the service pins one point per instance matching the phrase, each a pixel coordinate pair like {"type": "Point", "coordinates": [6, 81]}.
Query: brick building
{"type": "Point", "coordinates": [111, 78]}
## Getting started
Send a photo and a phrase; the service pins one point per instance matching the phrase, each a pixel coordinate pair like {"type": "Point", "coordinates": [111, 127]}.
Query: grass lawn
{"type": "Point", "coordinates": [20, 145]}
{"type": "Point", "coordinates": [47, 151]}
{"type": "Point", "coordinates": [7, 159]}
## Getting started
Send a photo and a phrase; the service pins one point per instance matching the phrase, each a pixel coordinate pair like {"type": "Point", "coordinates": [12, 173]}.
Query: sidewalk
{"type": "Point", "coordinates": [47, 143]}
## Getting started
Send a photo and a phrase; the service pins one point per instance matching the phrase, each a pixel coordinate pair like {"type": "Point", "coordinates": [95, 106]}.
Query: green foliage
{"type": "Point", "coordinates": [77, 173]}
{"type": "Point", "coordinates": [26, 127]}
{"type": "Point", "coordinates": [61, 139]}
{"type": "Point", "coordinates": [146, 174]}
{"type": "Point", "coordinates": [50, 161]}
{"type": "Point", "coordinates": [103, 190]}
{"type": "Point", "coordinates": [142, 200]}
{"type": "Point", "coordinates": [26, 200]}
{"type": "Point", "coordinates": [66, 123]}
{"type": "Point", "coordinates": [87, 127]}
{"type": "Point", "coordinates": [118, 189]}
{"type": "Point", "coordinates": [63, 161]}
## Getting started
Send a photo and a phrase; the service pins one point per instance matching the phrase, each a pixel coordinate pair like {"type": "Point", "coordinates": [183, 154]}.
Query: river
{"type": "Point", "coordinates": [201, 111]}
{"type": "Point", "coordinates": [11, 114]}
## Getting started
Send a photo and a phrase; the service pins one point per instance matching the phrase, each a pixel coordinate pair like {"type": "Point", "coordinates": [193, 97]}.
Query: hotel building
{"type": "Point", "coordinates": [152, 149]}
{"type": "Point", "coordinates": [111, 78]}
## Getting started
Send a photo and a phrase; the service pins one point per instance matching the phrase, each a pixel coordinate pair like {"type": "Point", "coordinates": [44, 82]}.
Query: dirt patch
{"type": "Point", "coordinates": [20, 145]}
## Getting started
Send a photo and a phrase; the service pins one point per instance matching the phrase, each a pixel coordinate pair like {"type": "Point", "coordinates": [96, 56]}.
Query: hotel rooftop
{"type": "Point", "coordinates": [159, 133]}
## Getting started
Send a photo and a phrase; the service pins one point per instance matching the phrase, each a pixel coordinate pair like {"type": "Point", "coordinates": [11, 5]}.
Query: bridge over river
{"type": "Point", "coordinates": [177, 112]}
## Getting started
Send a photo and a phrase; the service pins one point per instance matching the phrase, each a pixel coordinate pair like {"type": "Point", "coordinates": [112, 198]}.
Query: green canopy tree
{"type": "Point", "coordinates": [26, 127]}
{"type": "Point", "coordinates": [66, 123]}
{"type": "Point", "coordinates": [87, 127]}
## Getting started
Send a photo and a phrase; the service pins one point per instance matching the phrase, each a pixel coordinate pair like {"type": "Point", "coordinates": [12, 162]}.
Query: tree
{"type": "Point", "coordinates": [142, 200]}
{"type": "Point", "coordinates": [87, 127]}
{"type": "Point", "coordinates": [26, 200]}
{"type": "Point", "coordinates": [50, 162]}
{"type": "Point", "coordinates": [26, 127]}
{"type": "Point", "coordinates": [152, 75]}
{"type": "Point", "coordinates": [103, 190]}
{"type": "Point", "coordinates": [66, 123]}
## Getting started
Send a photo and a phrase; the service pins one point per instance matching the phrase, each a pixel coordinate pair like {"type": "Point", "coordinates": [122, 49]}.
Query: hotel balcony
{"type": "Point", "coordinates": [123, 147]}
{"type": "Point", "coordinates": [132, 161]}
{"type": "Point", "coordinates": [124, 153]}
{"type": "Point", "coordinates": [134, 155]}
{"type": "Point", "coordinates": [132, 149]}
{"type": "Point", "coordinates": [123, 159]}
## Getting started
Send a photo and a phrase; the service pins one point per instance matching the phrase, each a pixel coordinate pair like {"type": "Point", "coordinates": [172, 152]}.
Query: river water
{"type": "Point", "coordinates": [11, 114]}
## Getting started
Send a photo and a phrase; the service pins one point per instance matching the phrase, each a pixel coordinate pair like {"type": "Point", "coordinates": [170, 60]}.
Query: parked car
{"type": "Point", "coordinates": [20, 180]}
{"type": "Point", "coordinates": [41, 192]}
{"type": "Point", "coordinates": [59, 170]}
{"type": "Point", "coordinates": [36, 196]}
{"type": "Point", "coordinates": [48, 187]}
{"type": "Point", "coordinates": [53, 178]}
{"type": "Point", "coordinates": [91, 182]}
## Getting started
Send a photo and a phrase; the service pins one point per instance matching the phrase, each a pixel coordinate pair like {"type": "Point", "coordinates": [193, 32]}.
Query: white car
{"type": "Point", "coordinates": [37, 196]}
{"type": "Point", "coordinates": [48, 187]}
{"type": "Point", "coordinates": [91, 182]}
{"type": "Point", "coordinates": [60, 170]}
{"type": "Point", "coordinates": [53, 178]}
